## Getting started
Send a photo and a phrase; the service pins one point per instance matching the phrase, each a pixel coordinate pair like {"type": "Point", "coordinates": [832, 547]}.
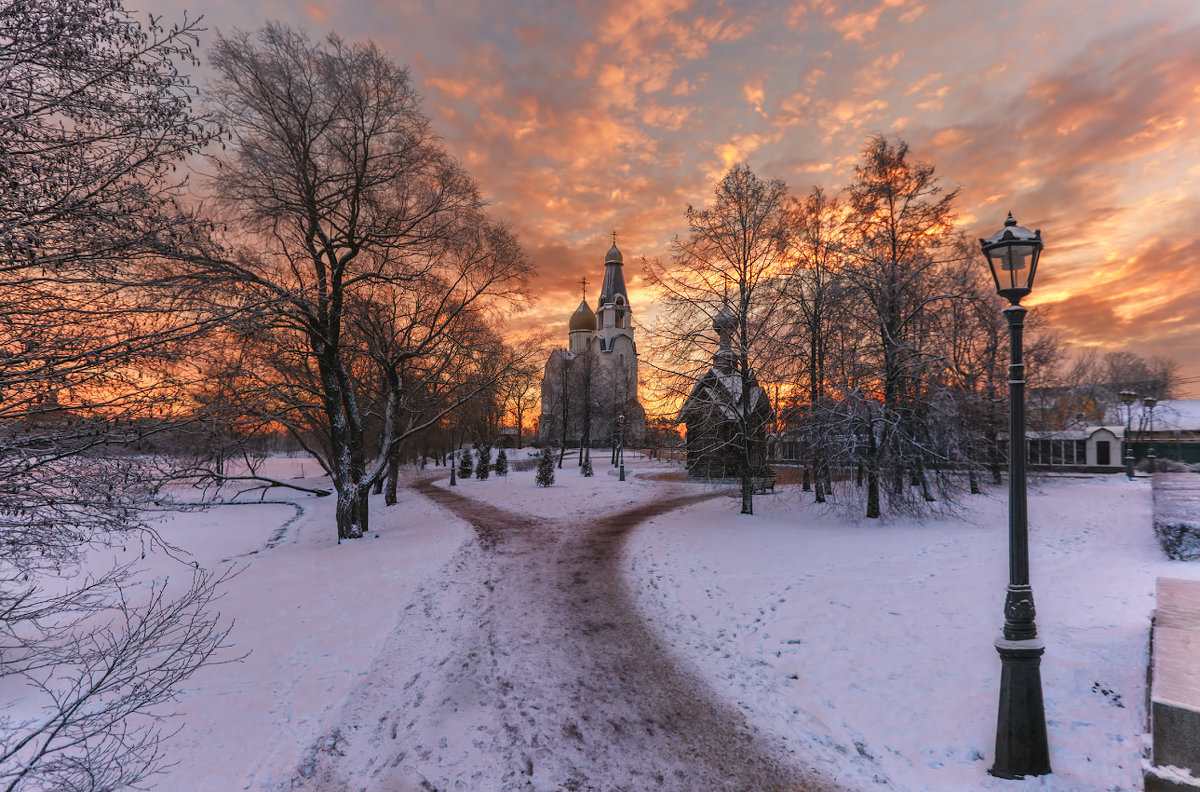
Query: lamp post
{"type": "Point", "coordinates": [1128, 397]}
{"type": "Point", "coordinates": [621, 445]}
{"type": "Point", "coordinates": [453, 460]}
{"type": "Point", "coordinates": [1021, 745]}
{"type": "Point", "coordinates": [1151, 456]}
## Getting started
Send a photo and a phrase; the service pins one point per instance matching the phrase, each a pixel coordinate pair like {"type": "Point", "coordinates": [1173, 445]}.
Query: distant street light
{"type": "Point", "coordinates": [1151, 455]}
{"type": "Point", "coordinates": [1128, 397]}
{"type": "Point", "coordinates": [453, 460]}
{"type": "Point", "coordinates": [1021, 745]}
{"type": "Point", "coordinates": [621, 445]}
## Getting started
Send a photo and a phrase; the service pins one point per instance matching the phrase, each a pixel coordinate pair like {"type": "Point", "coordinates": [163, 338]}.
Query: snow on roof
{"type": "Point", "coordinates": [1169, 415]}
{"type": "Point", "coordinates": [1182, 414]}
{"type": "Point", "coordinates": [724, 391]}
{"type": "Point", "coordinates": [1079, 433]}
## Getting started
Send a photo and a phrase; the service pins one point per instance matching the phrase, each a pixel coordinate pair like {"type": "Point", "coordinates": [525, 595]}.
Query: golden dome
{"type": "Point", "coordinates": [583, 318]}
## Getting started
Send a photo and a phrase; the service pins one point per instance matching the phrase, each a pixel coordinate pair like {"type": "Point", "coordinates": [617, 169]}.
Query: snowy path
{"type": "Point", "coordinates": [527, 666]}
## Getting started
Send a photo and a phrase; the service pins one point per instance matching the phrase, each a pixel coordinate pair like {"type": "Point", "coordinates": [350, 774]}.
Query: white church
{"type": "Point", "coordinates": [589, 389]}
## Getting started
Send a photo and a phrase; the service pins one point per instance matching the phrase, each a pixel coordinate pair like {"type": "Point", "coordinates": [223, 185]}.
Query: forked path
{"type": "Point", "coordinates": [536, 672]}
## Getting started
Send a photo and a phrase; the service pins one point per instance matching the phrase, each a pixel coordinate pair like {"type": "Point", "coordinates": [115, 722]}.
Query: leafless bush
{"type": "Point", "coordinates": [91, 670]}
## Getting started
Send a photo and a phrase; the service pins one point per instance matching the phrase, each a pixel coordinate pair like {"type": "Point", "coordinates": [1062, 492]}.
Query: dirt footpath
{"type": "Point", "coordinates": [528, 668]}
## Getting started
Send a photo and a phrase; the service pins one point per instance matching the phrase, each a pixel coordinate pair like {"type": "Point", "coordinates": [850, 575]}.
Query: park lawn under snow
{"type": "Point", "coordinates": [873, 638]}
{"type": "Point", "coordinates": [310, 614]}
{"type": "Point", "coordinates": [879, 633]}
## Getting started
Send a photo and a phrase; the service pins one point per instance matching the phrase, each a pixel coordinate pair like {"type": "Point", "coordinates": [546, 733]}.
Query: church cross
{"type": "Point", "coordinates": [614, 233]}
{"type": "Point", "coordinates": [583, 284]}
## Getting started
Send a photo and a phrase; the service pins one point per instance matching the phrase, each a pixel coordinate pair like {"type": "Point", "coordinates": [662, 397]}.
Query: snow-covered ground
{"type": "Point", "coordinates": [883, 631]}
{"type": "Point", "coordinates": [873, 639]}
{"type": "Point", "coordinates": [310, 614]}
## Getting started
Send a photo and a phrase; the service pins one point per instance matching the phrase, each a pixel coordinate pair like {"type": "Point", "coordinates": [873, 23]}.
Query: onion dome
{"type": "Point", "coordinates": [614, 281]}
{"type": "Point", "coordinates": [725, 321]}
{"type": "Point", "coordinates": [583, 318]}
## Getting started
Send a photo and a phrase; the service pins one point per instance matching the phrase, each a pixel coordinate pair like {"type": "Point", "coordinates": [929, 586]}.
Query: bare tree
{"type": "Point", "coordinates": [99, 668]}
{"type": "Point", "coordinates": [520, 389]}
{"type": "Point", "coordinates": [720, 316]}
{"type": "Point", "coordinates": [815, 291]}
{"type": "Point", "coordinates": [902, 245]}
{"type": "Point", "coordinates": [335, 174]}
{"type": "Point", "coordinates": [95, 119]}
{"type": "Point", "coordinates": [431, 343]}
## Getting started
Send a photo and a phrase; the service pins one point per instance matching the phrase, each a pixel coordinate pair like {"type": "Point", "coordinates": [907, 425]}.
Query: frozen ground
{"type": "Point", "coordinates": [861, 649]}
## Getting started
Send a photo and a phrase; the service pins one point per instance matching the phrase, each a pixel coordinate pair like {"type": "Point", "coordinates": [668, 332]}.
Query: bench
{"type": "Point", "coordinates": [764, 483]}
{"type": "Point", "coordinates": [1175, 688]}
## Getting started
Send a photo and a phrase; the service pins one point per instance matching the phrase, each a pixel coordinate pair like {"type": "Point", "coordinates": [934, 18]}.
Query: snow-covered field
{"type": "Point", "coordinates": [310, 613]}
{"type": "Point", "coordinates": [883, 632]}
{"type": "Point", "coordinates": [872, 639]}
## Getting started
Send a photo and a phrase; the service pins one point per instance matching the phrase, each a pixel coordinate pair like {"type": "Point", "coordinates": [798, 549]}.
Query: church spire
{"type": "Point", "coordinates": [614, 279]}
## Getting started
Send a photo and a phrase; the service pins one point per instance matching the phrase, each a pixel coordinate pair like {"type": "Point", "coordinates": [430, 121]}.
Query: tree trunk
{"type": "Point", "coordinates": [393, 480]}
{"type": "Point", "coordinates": [351, 512]}
{"type": "Point", "coordinates": [924, 476]}
{"type": "Point", "coordinates": [747, 493]}
{"type": "Point", "coordinates": [873, 477]}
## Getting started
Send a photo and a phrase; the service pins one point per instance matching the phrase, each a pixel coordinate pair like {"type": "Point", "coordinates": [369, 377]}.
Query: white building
{"type": "Point", "coordinates": [588, 386]}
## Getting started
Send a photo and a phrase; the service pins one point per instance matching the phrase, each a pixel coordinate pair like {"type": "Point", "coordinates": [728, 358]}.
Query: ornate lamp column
{"type": "Point", "coordinates": [1152, 454]}
{"type": "Point", "coordinates": [1021, 745]}
{"type": "Point", "coordinates": [1128, 397]}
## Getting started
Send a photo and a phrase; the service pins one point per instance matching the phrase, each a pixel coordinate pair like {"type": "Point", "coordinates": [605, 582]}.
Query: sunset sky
{"type": "Point", "coordinates": [1082, 118]}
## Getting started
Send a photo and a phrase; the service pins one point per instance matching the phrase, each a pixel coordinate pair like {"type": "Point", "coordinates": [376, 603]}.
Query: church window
{"type": "Point", "coordinates": [620, 319]}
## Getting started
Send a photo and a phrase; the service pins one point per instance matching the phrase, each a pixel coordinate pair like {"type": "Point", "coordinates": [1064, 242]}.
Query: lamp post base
{"type": "Point", "coordinates": [1129, 466]}
{"type": "Point", "coordinates": [1021, 746]}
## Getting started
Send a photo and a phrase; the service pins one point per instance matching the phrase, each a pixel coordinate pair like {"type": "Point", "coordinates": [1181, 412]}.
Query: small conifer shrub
{"type": "Point", "coordinates": [464, 465]}
{"type": "Point", "coordinates": [545, 468]}
{"type": "Point", "coordinates": [485, 462]}
{"type": "Point", "coordinates": [501, 462]}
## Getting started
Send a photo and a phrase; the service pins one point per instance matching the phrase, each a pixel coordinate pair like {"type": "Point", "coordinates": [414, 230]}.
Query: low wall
{"type": "Point", "coordinates": [1175, 688]}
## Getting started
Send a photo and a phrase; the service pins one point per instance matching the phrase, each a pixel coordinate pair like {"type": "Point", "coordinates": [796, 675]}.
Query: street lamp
{"type": "Point", "coordinates": [1021, 746]}
{"type": "Point", "coordinates": [453, 461]}
{"type": "Point", "coordinates": [621, 445]}
{"type": "Point", "coordinates": [1128, 397]}
{"type": "Point", "coordinates": [1151, 456]}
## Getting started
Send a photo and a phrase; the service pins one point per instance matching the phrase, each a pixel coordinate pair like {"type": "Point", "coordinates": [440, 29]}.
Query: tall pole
{"type": "Point", "coordinates": [453, 456]}
{"type": "Point", "coordinates": [1152, 454]}
{"type": "Point", "coordinates": [1128, 397]}
{"type": "Point", "coordinates": [1128, 445]}
{"type": "Point", "coordinates": [1021, 744]}
{"type": "Point", "coordinates": [621, 447]}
